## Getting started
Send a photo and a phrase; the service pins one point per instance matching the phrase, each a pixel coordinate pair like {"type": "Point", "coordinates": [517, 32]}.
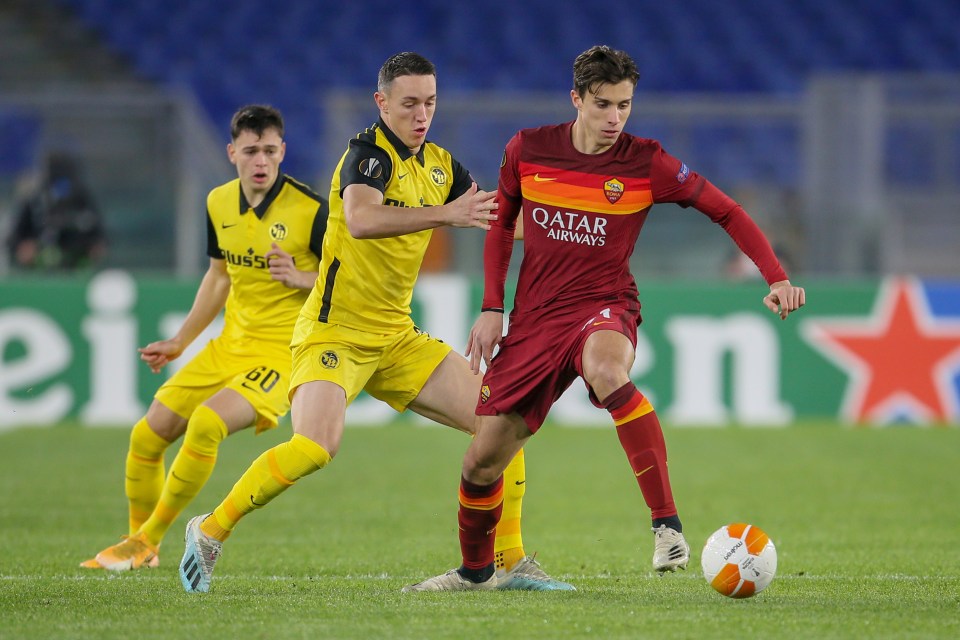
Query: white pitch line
{"type": "Point", "coordinates": [893, 577]}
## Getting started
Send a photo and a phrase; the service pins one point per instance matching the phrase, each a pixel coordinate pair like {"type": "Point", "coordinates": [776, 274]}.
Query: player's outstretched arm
{"type": "Point", "coordinates": [784, 298]}
{"type": "Point", "coordinates": [284, 270]}
{"type": "Point", "coordinates": [210, 299]}
{"type": "Point", "coordinates": [486, 334]}
{"type": "Point", "coordinates": [368, 218]}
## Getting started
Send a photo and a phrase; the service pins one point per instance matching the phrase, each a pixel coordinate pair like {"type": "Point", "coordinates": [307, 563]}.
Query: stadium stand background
{"type": "Point", "coordinates": [296, 54]}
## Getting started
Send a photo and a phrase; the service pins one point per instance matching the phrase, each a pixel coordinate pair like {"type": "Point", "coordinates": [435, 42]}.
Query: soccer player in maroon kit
{"type": "Point", "coordinates": [585, 189]}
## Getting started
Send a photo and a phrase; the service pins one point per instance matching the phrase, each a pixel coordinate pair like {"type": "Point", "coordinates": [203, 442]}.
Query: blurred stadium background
{"type": "Point", "coordinates": [835, 122]}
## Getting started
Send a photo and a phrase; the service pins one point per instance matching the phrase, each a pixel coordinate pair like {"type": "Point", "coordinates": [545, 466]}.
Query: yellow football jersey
{"type": "Point", "coordinates": [368, 284]}
{"type": "Point", "coordinates": [291, 215]}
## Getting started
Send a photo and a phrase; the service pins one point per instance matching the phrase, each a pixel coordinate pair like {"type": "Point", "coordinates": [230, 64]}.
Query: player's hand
{"type": "Point", "coordinates": [475, 208]}
{"type": "Point", "coordinates": [159, 354]}
{"type": "Point", "coordinates": [486, 334]}
{"type": "Point", "coordinates": [784, 298]}
{"type": "Point", "coordinates": [282, 267]}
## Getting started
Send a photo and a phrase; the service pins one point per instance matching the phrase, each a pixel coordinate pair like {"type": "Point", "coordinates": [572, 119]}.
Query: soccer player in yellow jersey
{"type": "Point", "coordinates": [264, 238]}
{"type": "Point", "coordinates": [391, 188]}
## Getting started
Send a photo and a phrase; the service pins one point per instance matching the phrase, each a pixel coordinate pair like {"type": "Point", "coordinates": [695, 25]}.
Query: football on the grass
{"type": "Point", "coordinates": [739, 560]}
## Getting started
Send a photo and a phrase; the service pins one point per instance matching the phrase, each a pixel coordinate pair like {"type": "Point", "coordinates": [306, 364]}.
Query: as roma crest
{"type": "Point", "coordinates": [613, 189]}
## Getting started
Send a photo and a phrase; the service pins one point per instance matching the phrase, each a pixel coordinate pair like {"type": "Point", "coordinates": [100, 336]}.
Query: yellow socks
{"type": "Point", "coordinates": [144, 473]}
{"type": "Point", "coordinates": [189, 472]}
{"type": "Point", "coordinates": [269, 476]}
{"type": "Point", "coordinates": [508, 548]}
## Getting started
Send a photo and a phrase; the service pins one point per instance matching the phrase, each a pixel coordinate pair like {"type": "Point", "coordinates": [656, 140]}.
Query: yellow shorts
{"type": "Point", "coordinates": [392, 368]}
{"type": "Point", "coordinates": [259, 371]}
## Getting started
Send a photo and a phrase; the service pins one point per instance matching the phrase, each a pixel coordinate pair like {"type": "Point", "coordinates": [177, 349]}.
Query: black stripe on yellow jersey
{"type": "Point", "coordinates": [368, 284]}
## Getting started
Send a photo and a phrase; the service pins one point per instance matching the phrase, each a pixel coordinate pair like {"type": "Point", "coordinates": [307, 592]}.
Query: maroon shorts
{"type": "Point", "coordinates": [538, 360]}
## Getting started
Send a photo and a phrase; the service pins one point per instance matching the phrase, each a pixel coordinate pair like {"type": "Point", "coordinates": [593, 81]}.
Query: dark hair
{"type": "Point", "coordinates": [406, 63]}
{"type": "Point", "coordinates": [602, 65]}
{"type": "Point", "coordinates": [256, 118]}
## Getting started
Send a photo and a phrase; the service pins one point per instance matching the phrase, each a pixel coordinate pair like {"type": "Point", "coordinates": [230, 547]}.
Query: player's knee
{"type": "Point", "coordinates": [607, 378]}
{"type": "Point", "coordinates": [323, 433]}
{"type": "Point", "coordinates": [481, 476]}
{"type": "Point", "coordinates": [485, 469]}
{"type": "Point", "coordinates": [163, 422]}
{"type": "Point", "coordinates": [145, 442]}
{"type": "Point", "coordinates": [205, 430]}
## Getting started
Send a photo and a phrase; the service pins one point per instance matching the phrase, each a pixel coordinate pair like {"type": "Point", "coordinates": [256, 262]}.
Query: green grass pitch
{"type": "Point", "coordinates": [866, 523]}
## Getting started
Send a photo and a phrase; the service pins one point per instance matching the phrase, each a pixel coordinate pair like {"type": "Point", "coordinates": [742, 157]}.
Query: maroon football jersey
{"type": "Point", "coordinates": [583, 214]}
